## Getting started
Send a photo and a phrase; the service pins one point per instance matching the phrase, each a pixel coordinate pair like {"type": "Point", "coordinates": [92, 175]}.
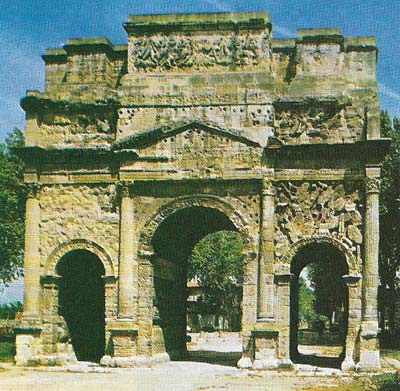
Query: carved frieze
{"type": "Point", "coordinates": [311, 123]}
{"type": "Point", "coordinates": [305, 209]}
{"type": "Point", "coordinates": [251, 116]}
{"type": "Point", "coordinates": [174, 51]}
{"type": "Point", "coordinates": [82, 128]}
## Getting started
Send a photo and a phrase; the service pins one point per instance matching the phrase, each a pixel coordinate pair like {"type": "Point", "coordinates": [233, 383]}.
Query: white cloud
{"type": "Point", "coordinates": [219, 5]}
{"type": "Point", "coordinates": [389, 92]}
{"type": "Point", "coordinates": [13, 292]}
{"type": "Point", "coordinates": [283, 31]}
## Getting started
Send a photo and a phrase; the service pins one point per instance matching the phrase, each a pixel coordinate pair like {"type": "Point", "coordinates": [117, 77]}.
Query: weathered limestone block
{"type": "Point", "coordinates": [79, 211]}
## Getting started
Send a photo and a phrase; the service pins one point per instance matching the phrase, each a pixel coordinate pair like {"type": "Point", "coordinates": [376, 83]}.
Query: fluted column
{"type": "Point", "coordinates": [369, 349]}
{"type": "Point", "coordinates": [32, 255]}
{"type": "Point", "coordinates": [267, 228]}
{"type": "Point", "coordinates": [126, 256]}
{"type": "Point", "coordinates": [371, 240]}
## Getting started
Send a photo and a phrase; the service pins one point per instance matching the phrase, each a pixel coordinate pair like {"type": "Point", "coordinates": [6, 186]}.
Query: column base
{"type": "Point", "coordinates": [348, 365]}
{"type": "Point", "coordinates": [369, 361]}
{"type": "Point", "coordinates": [134, 361]}
{"type": "Point", "coordinates": [245, 363]}
{"type": "Point", "coordinates": [266, 364]}
{"type": "Point", "coordinates": [369, 348]}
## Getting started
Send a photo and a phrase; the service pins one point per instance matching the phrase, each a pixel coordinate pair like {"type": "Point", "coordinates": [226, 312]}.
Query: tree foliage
{"type": "Point", "coordinates": [217, 261]}
{"type": "Point", "coordinates": [8, 311]}
{"type": "Point", "coordinates": [12, 208]}
{"type": "Point", "coordinates": [307, 311]}
{"type": "Point", "coordinates": [389, 257]}
{"type": "Point", "coordinates": [329, 288]}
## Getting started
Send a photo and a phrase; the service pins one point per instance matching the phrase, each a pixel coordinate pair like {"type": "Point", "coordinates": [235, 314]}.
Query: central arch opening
{"type": "Point", "coordinates": [182, 309]}
{"type": "Point", "coordinates": [318, 306]}
{"type": "Point", "coordinates": [81, 302]}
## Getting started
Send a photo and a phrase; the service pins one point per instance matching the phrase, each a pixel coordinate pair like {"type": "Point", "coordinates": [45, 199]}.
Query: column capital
{"type": "Point", "coordinates": [372, 184]}
{"type": "Point", "coordinates": [351, 280]}
{"type": "Point", "coordinates": [268, 188]}
{"type": "Point", "coordinates": [124, 188]}
{"type": "Point", "coordinates": [32, 189]}
{"type": "Point", "coordinates": [283, 279]}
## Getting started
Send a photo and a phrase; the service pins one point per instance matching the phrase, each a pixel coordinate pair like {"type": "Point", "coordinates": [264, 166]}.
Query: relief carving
{"type": "Point", "coordinates": [78, 128]}
{"type": "Point", "coordinates": [317, 208]}
{"type": "Point", "coordinates": [372, 185]}
{"type": "Point", "coordinates": [165, 52]}
{"type": "Point", "coordinates": [323, 124]}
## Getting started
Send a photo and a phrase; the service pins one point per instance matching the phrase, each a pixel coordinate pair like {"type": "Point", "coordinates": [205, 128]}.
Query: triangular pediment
{"type": "Point", "coordinates": [147, 138]}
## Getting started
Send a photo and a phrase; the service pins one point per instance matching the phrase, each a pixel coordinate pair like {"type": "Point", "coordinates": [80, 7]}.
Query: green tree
{"type": "Point", "coordinates": [389, 257]}
{"type": "Point", "coordinates": [217, 261]}
{"type": "Point", "coordinates": [306, 303]}
{"type": "Point", "coordinates": [328, 285]}
{"type": "Point", "coordinates": [8, 311]}
{"type": "Point", "coordinates": [12, 208]}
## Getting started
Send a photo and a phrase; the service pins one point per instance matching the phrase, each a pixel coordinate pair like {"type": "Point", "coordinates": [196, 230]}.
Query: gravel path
{"type": "Point", "coordinates": [174, 376]}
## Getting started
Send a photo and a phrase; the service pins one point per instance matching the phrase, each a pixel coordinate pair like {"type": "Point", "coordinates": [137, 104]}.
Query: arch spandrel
{"type": "Point", "coordinates": [202, 200]}
{"type": "Point", "coordinates": [345, 249]}
{"type": "Point", "coordinates": [79, 244]}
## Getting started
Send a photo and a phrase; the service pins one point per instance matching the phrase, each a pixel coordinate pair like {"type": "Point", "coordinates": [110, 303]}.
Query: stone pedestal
{"type": "Point", "coordinates": [28, 345]}
{"type": "Point", "coordinates": [283, 286]}
{"type": "Point", "coordinates": [265, 349]}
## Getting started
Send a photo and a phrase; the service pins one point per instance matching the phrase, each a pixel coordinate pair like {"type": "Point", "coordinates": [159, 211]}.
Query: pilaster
{"type": "Point", "coordinates": [127, 261]}
{"type": "Point", "coordinates": [369, 351]}
{"type": "Point", "coordinates": [267, 227]}
{"type": "Point", "coordinates": [32, 255]}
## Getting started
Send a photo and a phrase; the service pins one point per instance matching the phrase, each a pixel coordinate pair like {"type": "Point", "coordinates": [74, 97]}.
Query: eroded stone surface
{"type": "Point", "coordinates": [281, 136]}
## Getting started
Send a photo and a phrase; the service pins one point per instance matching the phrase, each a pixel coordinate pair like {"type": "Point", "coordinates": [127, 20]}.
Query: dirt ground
{"type": "Point", "coordinates": [173, 376]}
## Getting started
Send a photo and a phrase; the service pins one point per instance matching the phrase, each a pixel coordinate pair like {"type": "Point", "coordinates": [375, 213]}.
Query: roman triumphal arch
{"type": "Point", "coordinates": [200, 118]}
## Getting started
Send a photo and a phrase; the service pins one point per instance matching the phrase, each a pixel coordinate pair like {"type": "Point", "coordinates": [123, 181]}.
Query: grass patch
{"type": "Point", "coordinates": [391, 353]}
{"type": "Point", "coordinates": [387, 382]}
{"type": "Point", "coordinates": [7, 351]}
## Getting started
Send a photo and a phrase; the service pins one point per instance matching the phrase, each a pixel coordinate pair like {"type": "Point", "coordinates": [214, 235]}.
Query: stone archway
{"type": "Point", "coordinates": [208, 214]}
{"type": "Point", "coordinates": [322, 250]}
{"type": "Point", "coordinates": [81, 302]}
{"type": "Point", "coordinates": [207, 201]}
{"type": "Point", "coordinates": [79, 244]}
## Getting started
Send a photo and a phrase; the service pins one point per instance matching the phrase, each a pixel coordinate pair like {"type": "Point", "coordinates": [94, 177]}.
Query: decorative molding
{"type": "Point", "coordinates": [124, 188]}
{"type": "Point", "coordinates": [79, 244]}
{"type": "Point", "coordinates": [340, 245]}
{"type": "Point", "coordinates": [203, 200]}
{"type": "Point", "coordinates": [50, 281]}
{"type": "Point", "coordinates": [268, 187]}
{"type": "Point", "coordinates": [32, 189]}
{"type": "Point", "coordinates": [372, 185]}
{"type": "Point", "coordinates": [283, 279]}
{"type": "Point", "coordinates": [352, 280]}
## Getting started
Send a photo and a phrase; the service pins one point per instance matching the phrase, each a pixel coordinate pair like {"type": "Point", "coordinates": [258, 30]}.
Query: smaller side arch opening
{"type": "Point", "coordinates": [81, 301]}
{"type": "Point", "coordinates": [319, 303]}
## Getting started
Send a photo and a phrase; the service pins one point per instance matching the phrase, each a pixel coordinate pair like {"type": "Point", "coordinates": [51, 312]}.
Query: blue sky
{"type": "Point", "coordinates": [27, 27]}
